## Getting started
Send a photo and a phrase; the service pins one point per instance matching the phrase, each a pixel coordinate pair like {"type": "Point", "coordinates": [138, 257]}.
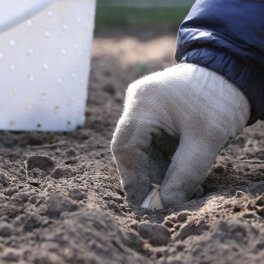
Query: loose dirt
{"type": "Point", "coordinates": [60, 197]}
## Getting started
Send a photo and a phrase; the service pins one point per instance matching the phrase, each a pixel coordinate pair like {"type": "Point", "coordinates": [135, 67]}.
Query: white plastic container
{"type": "Point", "coordinates": [44, 63]}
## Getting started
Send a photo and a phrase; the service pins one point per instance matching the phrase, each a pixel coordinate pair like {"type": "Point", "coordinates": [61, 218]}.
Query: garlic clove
{"type": "Point", "coordinates": [153, 200]}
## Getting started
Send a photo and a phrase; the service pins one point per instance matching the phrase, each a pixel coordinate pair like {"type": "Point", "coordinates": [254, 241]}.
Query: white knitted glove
{"type": "Point", "coordinates": [173, 126]}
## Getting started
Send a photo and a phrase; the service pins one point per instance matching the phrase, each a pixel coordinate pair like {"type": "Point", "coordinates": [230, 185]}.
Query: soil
{"type": "Point", "coordinates": [61, 200]}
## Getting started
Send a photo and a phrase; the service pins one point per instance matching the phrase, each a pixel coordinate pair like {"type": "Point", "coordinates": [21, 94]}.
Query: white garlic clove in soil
{"type": "Point", "coordinates": [153, 200]}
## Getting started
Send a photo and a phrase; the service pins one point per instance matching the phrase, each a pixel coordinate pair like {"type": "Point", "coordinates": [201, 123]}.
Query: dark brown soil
{"type": "Point", "coordinates": [60, 197]}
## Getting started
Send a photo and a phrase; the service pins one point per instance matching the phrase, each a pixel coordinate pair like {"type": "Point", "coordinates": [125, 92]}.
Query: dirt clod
{"type": "Point", "coordinates": [76, 194]}
{"type": "Point", "coordinates": [157, 235]}
{"type": "Point", "coordinates": [182, 216]}
{"type": "Point", "coordinates": [58, 204]}
{"type": "Point", "coordinates": [260, 154]}
{"type": "Point", "coordinates": [109, 88]}
{"type": "Point", "coordinates": [70, 152]}
{"type": "Point", "coordinates": [41, 162]}
{"type": "Point", "coordinates": [260, 200]}
{"type": "Point", "coordinates": [32, 221]}
{"type": "Point", "coordinates": [59, 173]}
{"type": "Point", "coordinates": [6, 229]}
{"type": "Point", "coordinates": [3, 179]}
{"type": "Point", "coordinates": [11, 256]}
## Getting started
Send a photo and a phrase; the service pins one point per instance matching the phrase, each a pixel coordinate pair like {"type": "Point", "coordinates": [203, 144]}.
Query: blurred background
{"type": "Point", "coordinates": [140, 13]}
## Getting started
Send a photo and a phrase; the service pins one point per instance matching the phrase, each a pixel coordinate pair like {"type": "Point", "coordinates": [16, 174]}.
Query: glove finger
{"type": "Point", "coordinates": [130, 147]}
{"type": "Point", "coordinates": [188, 168]}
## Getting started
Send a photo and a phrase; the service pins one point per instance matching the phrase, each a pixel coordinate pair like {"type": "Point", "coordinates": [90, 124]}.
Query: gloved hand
{"type": "Point", "coordinates": [174, 124]}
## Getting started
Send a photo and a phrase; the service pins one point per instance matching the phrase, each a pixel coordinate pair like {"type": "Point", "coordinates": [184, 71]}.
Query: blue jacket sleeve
{"type": "Point", "coordinates": [227, 36]}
